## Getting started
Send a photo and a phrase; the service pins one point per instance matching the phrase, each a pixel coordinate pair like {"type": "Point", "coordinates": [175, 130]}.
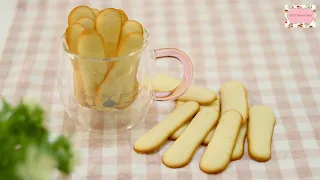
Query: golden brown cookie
{"type": "Point", "coordinates": [260, 130]}
{"type": "Point", "coordinates": [233, 95]}
{"type": "Point", "coordinates": [181, 151]}
{"type": "Point", "coordinates": [155, 137]}
{"type": "Point", "coordinates": [217, 155]}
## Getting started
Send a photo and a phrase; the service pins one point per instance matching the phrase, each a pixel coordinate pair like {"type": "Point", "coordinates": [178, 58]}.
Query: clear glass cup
{"type": "Point", "coordinates": [126, 96]}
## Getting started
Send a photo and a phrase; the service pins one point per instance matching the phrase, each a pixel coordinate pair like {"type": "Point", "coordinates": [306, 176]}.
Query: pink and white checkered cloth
{"type": "Point", "coordinates": [226, 40]}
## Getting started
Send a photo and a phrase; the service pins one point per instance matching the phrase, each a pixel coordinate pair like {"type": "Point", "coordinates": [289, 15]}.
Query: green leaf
{"type": "Point", "coordinates": [21, 128]}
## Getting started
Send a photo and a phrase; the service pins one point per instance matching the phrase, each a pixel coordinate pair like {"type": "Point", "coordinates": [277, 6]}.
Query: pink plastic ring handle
{"type": "Point", "coordinates": [187, 73]}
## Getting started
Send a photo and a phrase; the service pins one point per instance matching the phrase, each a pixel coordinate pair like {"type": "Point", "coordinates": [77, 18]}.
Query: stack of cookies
{"type": "Point", "coordinates": [221, 124]}
{"type": "Point", "coordinates": [105, 48]}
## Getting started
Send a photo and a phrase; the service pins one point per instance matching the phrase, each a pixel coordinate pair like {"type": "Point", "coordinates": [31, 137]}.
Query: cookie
{"type": "Point", "coordinates": [165, 82]}
{"type": "Point", "coordinates": [72, 35]}
{"type": "Point", "coordinates": [78, 12]}
{"type": "Point", "coordinates": [90, 45]}
{"type": "Point", "coordinates": [178, 103]}
{"type": "Point", "coordinates": [181, 151]}
{"type": "Point", "coordinates": [260, 130]}
{"type": "Point", "coordinates": [208, 138]}
{"type": "Point", "coordinates": [95, 11]}
{"type": "Point", "coordinates": [123, 15]}
{"type": "Point", "coordinates": [217, 155]}
{"type": "Point", "coordinates": [155, 137]}
{"type": "Point", "coordinates": [233, 95]}
{"type": "Point", "coordinates": [178, 132]}
{"type": "Point", "coordinates": [86, 22]}
{"type": "Point", "coordinates": [215, 105]}
{"type": "Point", "coordinates": [239, 147]}
{"type": "Point", "coordinates": [110, 91]}
{"type": "Point", "coordinates": [108, 24]}
{"type": "Point", "coordinates": [131, 85]}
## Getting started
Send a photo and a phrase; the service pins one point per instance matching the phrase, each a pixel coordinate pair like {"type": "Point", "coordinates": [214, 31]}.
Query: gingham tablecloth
{"type": "Point", "coordinates": [226, 40]}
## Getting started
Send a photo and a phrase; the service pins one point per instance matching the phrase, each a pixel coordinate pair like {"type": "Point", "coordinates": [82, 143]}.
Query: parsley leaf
{"type": "Point", "coordinates": [25, 148]}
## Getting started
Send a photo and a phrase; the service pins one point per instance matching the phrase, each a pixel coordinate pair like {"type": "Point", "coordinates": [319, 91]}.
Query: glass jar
{"type": "Point", "coordinates": [123, 97]}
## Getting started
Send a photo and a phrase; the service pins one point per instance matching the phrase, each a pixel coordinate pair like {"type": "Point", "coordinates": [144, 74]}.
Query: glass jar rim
{"type": "Point", "coordinates": [66, 49]}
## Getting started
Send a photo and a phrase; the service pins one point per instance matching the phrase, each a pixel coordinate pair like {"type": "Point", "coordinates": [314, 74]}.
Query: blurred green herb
{"type": "Point", "coordinates": [25, 149]}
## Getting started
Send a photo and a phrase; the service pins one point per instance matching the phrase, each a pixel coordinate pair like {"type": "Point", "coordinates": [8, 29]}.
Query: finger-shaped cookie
{"type": "Point", "coordinates": [214, 105]}
{"type": "Point", "coordinates": [95, 11]}
{"type": "Point", "coordinates": [122, 73]}
{"type": "Point", "coordinates": [178, 132]}
{"type": "Point", "coordinates": [90, 45]}
{"type": "Point", "coordinates": [208, 138]}
{"type": "Point", "coordinates": [239, 147]}
{"type": "Point", "coordinates": [130, 27]}
{"type": "Point", "coordinates": [260, 130]}
{"type": "Point", "coordinates": [233, 95]}
{"type": "Point", "coordinates": [78, 87]}
{"type": "Point", "coordinates": [155, 137]}
{"type": "Point", "coordinates": [124, 15]}
{"type": "Point", "coordinates": [108, 24]}
{"type": "Point", "coordinates": [178, 103]}
{"type": "Point", "coordinates": [181, 151]}
{"type": "Point", "coordinates": [79, 12]}
{"type": "Point", "coordinates": [86, 22]}
{"type": "Point", "coordinates": [217, 155]}
{"type": "Point", "coordinates": [72, 34]}
{"type": "Point", "coordinates": [131, 87]}
{"type": "Point", "coordinates": [165, 82]}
